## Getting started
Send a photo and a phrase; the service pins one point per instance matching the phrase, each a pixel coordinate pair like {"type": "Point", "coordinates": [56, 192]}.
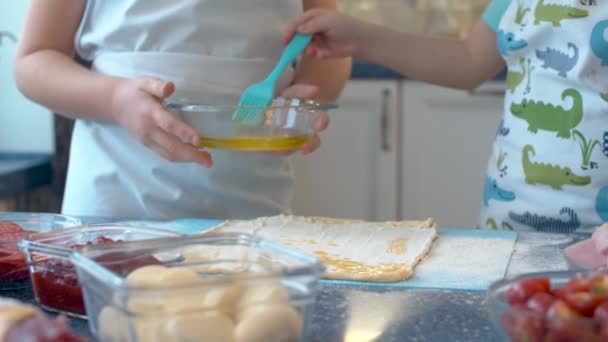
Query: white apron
{"type": "Point", "coordinates": [209, 49]}
{"type": "Point", "coordinates": [549, 168]}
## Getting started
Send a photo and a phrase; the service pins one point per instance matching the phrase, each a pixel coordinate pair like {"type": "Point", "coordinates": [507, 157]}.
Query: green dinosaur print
{"type": "Point", "coordinates": [554, 13]}
{"type": "Point", "coordinates": [521, 13]}
{"type": "Point", "coordinates": [514, 78]}
{"type": "Point", "coordinates": [554, 176]}
{"type": "Point", "coordinates": [548, 117]}
{"type": "Point", "coordinates": [587, 147]}
{"type": "Point", "coordinates": [604, 96]}
{"type": "Point", "coordinates": [490, 222]}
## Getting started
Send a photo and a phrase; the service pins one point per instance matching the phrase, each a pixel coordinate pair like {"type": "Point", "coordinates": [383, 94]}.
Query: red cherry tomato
{"type": "Point", "coordinates": [573, 335]}
{"type": "Point", "coordinates": [559, 292]}
{"type": "Point", "coordinates": [578, 284]}
{"type": "Point", "coordinates": [540, 302]}
{"type": "Point", "coordinates": [523, 325]}
{"type": "Point", "coordinates": [583, 302]}
{"type": "Point", "coordinates": [601, 313]}
{"type": "Point", "coordinates": [559, 311]}
{"type": "Point", "coordinates": [599, 285]}
{"type": "Point", "coordinates": [564, 324]}
{"type": "Point", "coordinates": [522, 290]}
{"type": "Point", "coordinates": [604, 331]}
{"type": "Point", "coordinates": [99, 240]}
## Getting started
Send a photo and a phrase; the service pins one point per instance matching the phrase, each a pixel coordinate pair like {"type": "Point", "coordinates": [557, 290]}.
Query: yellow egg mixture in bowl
{"type": "Point", "coordinates": [285, 125]}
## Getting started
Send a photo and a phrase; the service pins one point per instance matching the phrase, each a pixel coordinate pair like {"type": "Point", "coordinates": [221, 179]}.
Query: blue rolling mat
{"type": "Point", "coordinates": [461, 259]}
{"type": "Point", "coordinates": [183, 226]}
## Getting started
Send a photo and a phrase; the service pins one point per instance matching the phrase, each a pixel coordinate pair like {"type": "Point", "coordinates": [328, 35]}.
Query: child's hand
{"type": "Point", "coordinates": [335, 35]}
{"type": "Point", "coordinates": [306, 91]}
{"type": "Point", "coordinates": [137, 105]}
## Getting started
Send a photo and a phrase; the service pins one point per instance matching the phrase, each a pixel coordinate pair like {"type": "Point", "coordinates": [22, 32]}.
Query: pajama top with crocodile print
{"type": "Point", "coordinates": [549, 165]}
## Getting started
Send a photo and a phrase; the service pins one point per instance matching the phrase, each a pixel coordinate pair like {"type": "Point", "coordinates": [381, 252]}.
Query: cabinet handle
{"type": "Point", "coordinates": [384, 120]}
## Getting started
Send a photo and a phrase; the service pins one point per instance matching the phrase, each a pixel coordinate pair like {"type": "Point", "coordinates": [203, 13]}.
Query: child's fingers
{"type": "Point", "coordinates": [311, 51]}
{"type": "Point", "coordinates": [301, 91]}
{"type": "Point", "coordinates": [170, 124]}
{"type": "Point", "coordinates": [322, 122]}
{"type": "Point", "coordinates": [173, 149]}
{"type": "Point", "coordinates": [323, 53]}
{"type": "Point", "coordinates": [292, 27]}
{"type": "Point", "coordinates": [312, 145]}
{"type": "Point", "coordinates": [316, 23]}
{"type": "Point", "coordinates": [156, 87]}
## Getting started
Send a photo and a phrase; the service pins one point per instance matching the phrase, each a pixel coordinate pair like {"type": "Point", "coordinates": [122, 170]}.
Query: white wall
{"type": "Point", "coordinates": [24, 126]}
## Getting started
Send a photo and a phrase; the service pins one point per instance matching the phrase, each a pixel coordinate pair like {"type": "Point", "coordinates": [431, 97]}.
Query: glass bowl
{"type": "Point", "coordinates": [285, 125]}
{"type": "Point", "coordinates": [13, 268]}
{"type": "Point", "coordinates": [549, 322]}
{"type": "Point", "coordinates": [213, 287]}
{"type": "Point", "coordinates": [54, 280]}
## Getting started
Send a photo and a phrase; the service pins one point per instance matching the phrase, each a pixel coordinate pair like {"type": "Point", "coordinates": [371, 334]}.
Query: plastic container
{"type": "Point", "coordinates": [212, 287]}
{"type": "Point", "coordinates": [13, 268]}
{"type": "Point", "coordinates": [287, 125]}
{"type": "Point", "coordinates": [54, 279]}
{"type": "Point", "coordinates": [513, 320]}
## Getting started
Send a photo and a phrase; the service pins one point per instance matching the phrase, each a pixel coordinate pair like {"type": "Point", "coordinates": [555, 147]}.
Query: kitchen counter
{"type": "Point", "coordinates": [357, 314]}
{"type": "Point", "coordinates": [20, 173]}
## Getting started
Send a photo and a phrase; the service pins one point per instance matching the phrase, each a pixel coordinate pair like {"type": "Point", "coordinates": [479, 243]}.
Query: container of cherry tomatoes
{"type": "Point", "coordinates": [551, 306]}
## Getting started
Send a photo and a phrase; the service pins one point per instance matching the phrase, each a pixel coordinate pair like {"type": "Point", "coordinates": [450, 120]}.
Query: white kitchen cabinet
{"type": "Point", "coordinates": [446, 141]}
{"type": "Point", "coordinates": [354, 173]}
{"type": "Point", "coordinates": [24, 125]}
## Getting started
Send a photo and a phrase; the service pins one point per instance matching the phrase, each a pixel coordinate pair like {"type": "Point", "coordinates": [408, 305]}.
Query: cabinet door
{"type": "Point", "coordinates": [353, 174]}
{"type": "Point", "coordinates": [447, 139]}
{"type": "Point", "coordinates": [25, 126]}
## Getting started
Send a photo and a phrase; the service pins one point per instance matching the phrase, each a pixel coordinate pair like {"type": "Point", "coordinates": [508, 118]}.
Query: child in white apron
{"type": "Point", "coordinates": [549, 167]}
{"type": "Point", "coordinates": [122, 165]}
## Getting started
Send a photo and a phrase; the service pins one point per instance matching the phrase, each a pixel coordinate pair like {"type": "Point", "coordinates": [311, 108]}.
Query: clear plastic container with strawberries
{"type": "Point", "coordinates": [552, 306]}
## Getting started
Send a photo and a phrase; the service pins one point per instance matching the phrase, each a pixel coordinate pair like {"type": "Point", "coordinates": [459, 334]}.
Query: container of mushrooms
{"type": "Point", "coordinates": [214, 287]}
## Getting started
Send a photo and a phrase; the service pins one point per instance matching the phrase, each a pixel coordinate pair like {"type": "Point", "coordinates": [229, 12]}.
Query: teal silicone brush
{"type": "Point", "coordinates": [260, 95]}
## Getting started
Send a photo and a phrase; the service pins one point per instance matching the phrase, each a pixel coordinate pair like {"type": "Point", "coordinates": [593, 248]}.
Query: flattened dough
{"type": "Point", "coordinates": [351, 249]}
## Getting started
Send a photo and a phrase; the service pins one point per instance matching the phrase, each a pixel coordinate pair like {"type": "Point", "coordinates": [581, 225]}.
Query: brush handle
{"type": "Point", "coordinates": [295, 47]}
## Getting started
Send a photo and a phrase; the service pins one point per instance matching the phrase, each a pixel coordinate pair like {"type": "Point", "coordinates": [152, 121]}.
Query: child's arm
{"type": "Point", "coordinates": [329, 75]}
{"type": "Point", "coordinates": [442, 61]}
{"type": "Point", "coordinates": [46, 73]}
{"type": "Point", "coordinates": [318, 79]}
